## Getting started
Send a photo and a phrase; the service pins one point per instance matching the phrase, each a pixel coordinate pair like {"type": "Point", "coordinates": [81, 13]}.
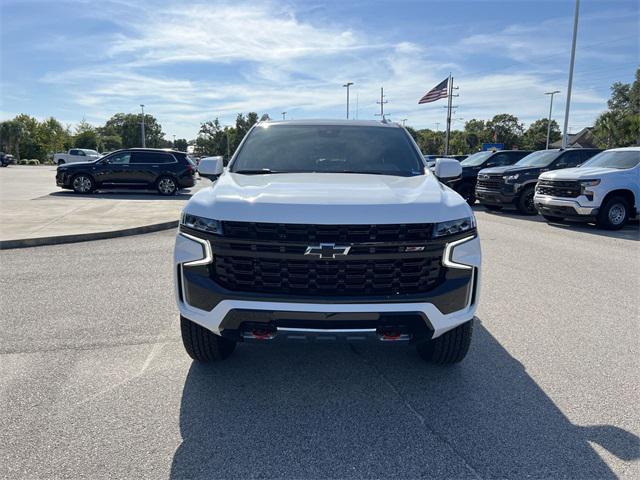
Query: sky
{"type": "Point", "coordinates": [189, 61]}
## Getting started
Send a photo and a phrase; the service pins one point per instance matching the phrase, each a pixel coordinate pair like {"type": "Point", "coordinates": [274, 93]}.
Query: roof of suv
{"type": "Point", "coordinates": [163, 150]}
{"type": "Point", "coordinates": [328, 122]}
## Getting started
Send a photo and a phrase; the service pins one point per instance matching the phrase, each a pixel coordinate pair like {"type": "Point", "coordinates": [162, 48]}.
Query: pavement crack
{"type": "Point", "coordinates": [421, 419]}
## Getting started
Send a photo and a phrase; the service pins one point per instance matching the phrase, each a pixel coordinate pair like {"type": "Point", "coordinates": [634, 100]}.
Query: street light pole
{"type": "Point", "coordinates": [143, 139]}
{"type": "Point", "coordinates": [404, 120]}
{"type": "Point", "coordinates": [283, 115]}
{"type": "Point", "coordinates": [565, 139]}
{"type": "Point", "coordinates": [550, 109]}
{"type": "Point", "coordinates": [348, 84]}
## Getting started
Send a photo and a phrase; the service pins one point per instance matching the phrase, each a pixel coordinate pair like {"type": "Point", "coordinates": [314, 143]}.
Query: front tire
{"type": "Point", "coordinates": [203, 345]}
{"type": "Point", "coordinates": [448, 348]}
{"type": "Point", "coordinates": [614, 214]}
{"type": "Point", "coordinates": [166, 186]}
{"type": "Point", "coordinates": [525, 202]}
{"type": "Point", "coordinates": [82, 184]}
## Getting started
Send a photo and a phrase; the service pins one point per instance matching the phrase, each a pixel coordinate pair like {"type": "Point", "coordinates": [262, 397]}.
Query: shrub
{"type": "Point", "coordinates": [33, 161]}
{"type": "Point", "coordinates": [22, 162]}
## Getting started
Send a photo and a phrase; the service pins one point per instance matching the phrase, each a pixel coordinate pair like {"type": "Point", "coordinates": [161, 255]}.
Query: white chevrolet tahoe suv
{"type": "Point", "coordinates": [76, 155]}
{"type": "Point", "coordinates": [605, 189]}
{"type": "Point", "coordinates": [324, 230]}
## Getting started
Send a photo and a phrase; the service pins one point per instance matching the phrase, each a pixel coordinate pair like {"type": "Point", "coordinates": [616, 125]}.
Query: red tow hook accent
{"type": "Point", "coordinates": [391, 335]}
{"type": "Point", "coordinates": [262, 334]}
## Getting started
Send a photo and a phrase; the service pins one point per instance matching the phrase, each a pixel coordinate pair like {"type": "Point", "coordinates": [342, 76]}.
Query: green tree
{"type": "Point", "coordinates": [212, 139]}
{"type": "Point", "coordinates": [506, 129]}
{"type": "Point", "coordinates": [535, 138]}
{"type": "Point", "coordinates": [181, 144]}
{"type": "Point", "coordinates": [30, 145]}
{"type": "Point", "coordinates": [128, 126]}
{"type": "Point", "coordinates": [111, 142]}
{"type": "Point", "coordinates": [53, 136]}
{"type": "Point", "coordinates": [619, 126]}
{"type": "Point", "coordinates": [86, 136]}
{"type": "Point", "coordinates": [11, 133]}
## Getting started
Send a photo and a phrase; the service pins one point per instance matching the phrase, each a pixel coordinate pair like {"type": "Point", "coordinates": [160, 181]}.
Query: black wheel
{"type": "Point", "coordinates": [82, 183]}
{"type": "Point", "coordinates": [448, 348]}
{"type": "Point", "coordinates": [551, 218]}
{"type": "Point", "coordinates": [613, 214]}
{"type": "Point", "coordinates": [525, 201]}
{"type": "Point", "coordinates": [466, 191]}
{"type": "Point", "coordinates": [166, 186]}
{"type": "Point", "coordinates": [493, 208]}
{"type": "Point", "coordinates": [203, 345]}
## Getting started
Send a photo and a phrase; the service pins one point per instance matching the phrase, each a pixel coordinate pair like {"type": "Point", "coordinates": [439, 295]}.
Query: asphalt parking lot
{"type": "Point", "coordinates": [94, 382]}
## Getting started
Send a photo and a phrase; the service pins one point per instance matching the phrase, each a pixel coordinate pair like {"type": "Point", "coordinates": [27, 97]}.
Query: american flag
{"type": "Point", "coordinates": [436, 93]}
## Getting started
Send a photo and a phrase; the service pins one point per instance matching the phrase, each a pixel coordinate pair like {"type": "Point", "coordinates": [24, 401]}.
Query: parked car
{"type": "Point", "coordinates": [164, 170]}
{"type": "Point", "coordinates": [327, 229]}
{"type": "Point", "coordinates": [466, 184]}
{"type": "Point", "coordinates": [76, 155]}
{"type": "Point", "coordinates": [6, 159]}
{"type": "Point", "coordinates": [514, 186]}
{"type": "Point", "coordinates": [605, 189]}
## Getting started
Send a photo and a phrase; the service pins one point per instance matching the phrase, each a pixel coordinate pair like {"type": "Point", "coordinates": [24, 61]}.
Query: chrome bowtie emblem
{"type": "Point", "coordinates": [327, 250]}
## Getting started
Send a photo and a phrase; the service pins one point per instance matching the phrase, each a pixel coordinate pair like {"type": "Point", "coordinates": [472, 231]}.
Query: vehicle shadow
{"type": "Point", "coordinates": [122, 194]}
{"type": "Point", "coordinates": [631, 231]}
{"type": "Point", "coordinates": [318, 411]}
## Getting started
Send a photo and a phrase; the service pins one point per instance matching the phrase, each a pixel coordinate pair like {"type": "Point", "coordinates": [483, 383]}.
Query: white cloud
{"type": "Point", "coordinates": [272, 61]}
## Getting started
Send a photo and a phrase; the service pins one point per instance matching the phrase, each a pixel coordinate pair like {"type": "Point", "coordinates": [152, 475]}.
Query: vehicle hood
{"type": "Point", "coordinates": [328, 198]}
{"type": "Point", "coordinates": [579, 173]}
{"type": "Point", "coordinates": [494, 170]}
{"type": "Point", "coordinates": [78, 164]}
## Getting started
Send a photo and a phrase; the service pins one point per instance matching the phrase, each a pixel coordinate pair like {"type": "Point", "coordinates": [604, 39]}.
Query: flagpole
{"type": "Point", "coordinates": [450, 96]}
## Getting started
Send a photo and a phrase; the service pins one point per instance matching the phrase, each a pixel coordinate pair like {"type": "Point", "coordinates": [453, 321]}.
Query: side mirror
{"type": "Point", "coordinates": [447, 169]}
{"type": "Point", "coordinates": [211, 167]}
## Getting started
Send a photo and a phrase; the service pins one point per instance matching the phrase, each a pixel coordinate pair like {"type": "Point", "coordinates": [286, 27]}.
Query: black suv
{"type": "Point", "coordinates": [515, 185]}
{"type": "Point", "coordinates": [471, 165]}
{"type": "Point", "coordinates": [164, 170]}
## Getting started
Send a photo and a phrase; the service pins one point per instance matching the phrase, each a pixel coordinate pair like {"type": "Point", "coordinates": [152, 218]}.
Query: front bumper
{"type": "Point", "coordinates": [495, 197]}
{"type": "Point", "coordinates": [547, 205]}
{"type": "Point", "coordinates": [223, 312]}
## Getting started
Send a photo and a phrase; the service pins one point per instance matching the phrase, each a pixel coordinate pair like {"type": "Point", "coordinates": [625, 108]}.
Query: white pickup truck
{"type": "Point", "coordinates": [76, 155]}
{"type": "Point", "coordinates": [605, 189]}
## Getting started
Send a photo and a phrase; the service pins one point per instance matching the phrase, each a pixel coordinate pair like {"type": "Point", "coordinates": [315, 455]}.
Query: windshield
{"type": "Point", "coordinates": [476, 159]}
{"type": "Point", "coordinates": [541, 158]}
{"type": "Point", "coordinates": [613, 159]}
{"type": "Point", "coordinates": [328, 148]}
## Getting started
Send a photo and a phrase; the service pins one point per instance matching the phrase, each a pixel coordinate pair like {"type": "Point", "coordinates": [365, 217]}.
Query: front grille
{"type": "Point", "coordinates": [328, 277]}
{"type": "Point", "coordinates": [558, 188]}
{"type": "Point", "coordinates": [290, 232]}
{"type": "Point", "coordinates": [493, 183]}
{"type": "Point", "coordinates": [269, 258]}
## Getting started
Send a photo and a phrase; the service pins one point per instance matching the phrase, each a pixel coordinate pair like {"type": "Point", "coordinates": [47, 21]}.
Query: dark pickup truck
{"type": "Point", "coordinates": [514, 186]}
{"type": "Point", "coordinates": [471, 165]}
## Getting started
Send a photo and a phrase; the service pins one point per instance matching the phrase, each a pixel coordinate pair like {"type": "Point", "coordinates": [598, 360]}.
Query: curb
{"type": "Point", "coordinates": [85, 237]}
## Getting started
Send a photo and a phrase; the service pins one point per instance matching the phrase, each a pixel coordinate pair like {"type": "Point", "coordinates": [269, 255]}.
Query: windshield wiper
{"type": "Point", "coordinates": [257, 171]}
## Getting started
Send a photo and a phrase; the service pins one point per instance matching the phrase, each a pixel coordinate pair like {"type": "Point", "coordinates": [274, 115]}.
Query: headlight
{"type": "Point", "coordinates": [511, 178]}
{"type": "Point", "coordinates": [203, 224]}
{"type": "Point", "coordinates": [454, 226]}
{"type": "Point", "coordinates": [589, 183]}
